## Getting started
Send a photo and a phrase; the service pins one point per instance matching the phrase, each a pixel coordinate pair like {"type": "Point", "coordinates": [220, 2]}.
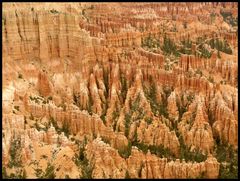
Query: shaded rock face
{"type": "Point", "coordinates": [113, 90]}
{"type": "Point", "coordinates": [44, 86]}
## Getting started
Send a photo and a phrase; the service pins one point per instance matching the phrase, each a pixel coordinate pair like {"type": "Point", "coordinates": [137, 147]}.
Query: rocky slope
{"type": "Point", "coordinates": [120, 90]}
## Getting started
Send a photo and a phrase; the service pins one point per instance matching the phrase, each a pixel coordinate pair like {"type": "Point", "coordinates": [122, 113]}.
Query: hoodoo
{"type": "Point", "coordinates": [120, 90]}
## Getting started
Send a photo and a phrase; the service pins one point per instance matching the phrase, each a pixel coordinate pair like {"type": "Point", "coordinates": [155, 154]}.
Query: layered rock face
{"type": "Point", "coordinates": [43, 84]}
{"type": "Point", "coordinates": [33, 32]}
{"type": "Point", "coordinates": [140, 165]}
{"type": "Point", "coordinates": [120, 90]}
{"type": "Point", "coordinates": [195, 127]}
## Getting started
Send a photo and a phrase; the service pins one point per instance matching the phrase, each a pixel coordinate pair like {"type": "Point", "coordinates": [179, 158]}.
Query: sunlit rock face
{"type": "Point", "coordinates": [120, 90]}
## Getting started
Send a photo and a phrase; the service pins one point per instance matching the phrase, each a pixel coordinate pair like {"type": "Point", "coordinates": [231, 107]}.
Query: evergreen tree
{"type": "Point", "coordinates": [127, 176]}
{"type": "Point", "coordinates": [218, 54]}
{"type": "Point", "coordinates": [49, 172]}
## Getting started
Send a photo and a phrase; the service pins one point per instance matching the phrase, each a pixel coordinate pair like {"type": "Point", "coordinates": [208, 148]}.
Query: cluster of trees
{"type": "Point", "coordinates": [65, 127]}
{"type": "Point", "coordinates": [228, 18]}
{"type": "Point", "coordinates": [150, 42]}
{"type": "Point", "coordinates": [200, 40]}
{"type": "Point", "coordinates": [38, 99]}
{"type": "Point", "coordinates": [149, 120]}
{"type": "Point", "coordinates": [115, 115]}
{"type": "Point", "coordinates": [228, 158]}
{"type": "Point", "coordinates": [15, 162]}
{"type": "Point", "coordinates": [158, 150]}
{"type": "Point", "coordinates": [49, 173]}
{"type": "Point", "coordinates": [106, 81]}
{"type": "Point", "coordinates": [126, 152]}
{"type": "Point", "coordinates": [134, 107]}
{"type": "Point", "coordinates": [90, 104]}
{"type": "Point", "coordinates": [47, 100]}
{"type": "Point", "coordinates": [151, 95]}
{"type": "Point", "coordinates": [188, 155]}
{"type": "Point", "coordinates": [186, 47]}
{"type": "Point", "coordinates": [204, 52]}
{"type": "Point", "coordinates": [82, 161]}
{"type": "Point", "coordinates": [220, 45]}
{"type": "Point", "coordinates": [181, 109]}
{"type": "Point", "coordinates": [20, 174]}
{"type": "Point", "coordinates": [54, 11]}
{"type": "Point", "coordinates": [163, 152]}
{"type": "Point", "coordinates": [187, 43]}
{"type": "Point", "coordinates": [15, 154]}
{"type": "Point", "coordinates": [103, 115]}
{"type": "Point", "coordinates": [76, 101]}
{"type": "Point", "coordinates": [163, 106]}
{"type": "Point", "coordinates": [86, 169]}
{"type": "Point", "coordinates": [127, 176]}
{"type": "Point", "coordinates": [105, 104]}
{"type": "Point", "coordinates": [169, 47]}
{"type": "Point", "coordinates": [229, 171]}
{"type": "Point", "coordinates": [124, 87]}
{"type": "Point", "coordinates": [127, 124]}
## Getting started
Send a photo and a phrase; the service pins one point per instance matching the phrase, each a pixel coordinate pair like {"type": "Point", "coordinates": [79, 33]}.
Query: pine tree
{"type": "Point", "coordinates": [49, 172]}
{"type": "Point", "coordinates": [127, 176]}
{"type": "Point", "coordinates": [218, 54]}
{"type": "Point", "coordinates": [24, 176]}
